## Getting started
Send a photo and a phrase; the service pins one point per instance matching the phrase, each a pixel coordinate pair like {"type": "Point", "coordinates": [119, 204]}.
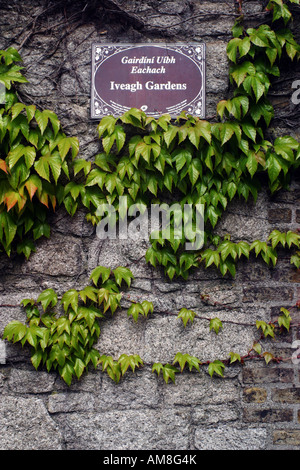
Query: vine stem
{"type": "Point", "coordinates": [200, 317]}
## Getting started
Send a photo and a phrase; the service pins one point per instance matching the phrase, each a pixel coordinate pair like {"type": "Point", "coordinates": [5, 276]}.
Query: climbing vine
{"type": "Point", "coordinates": [35, 154]}
{"type": "Point", "coordinates": [64, 341]}
{"type": "Point", "coordinates": [189, 161]}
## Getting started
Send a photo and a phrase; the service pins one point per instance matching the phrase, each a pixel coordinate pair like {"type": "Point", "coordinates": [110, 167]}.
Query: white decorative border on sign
{"type": "Point", "coordinates": [101, 52]}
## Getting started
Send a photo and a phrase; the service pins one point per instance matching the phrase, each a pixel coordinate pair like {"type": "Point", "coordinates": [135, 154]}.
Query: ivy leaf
{"type": "Point", "coordinates": [43, 165]}
{"type": "Point", "coordinates": [182, 359]}
{"type": "Point", "coordinates": [121, 274]}
{"type": "Point", "coordinates": [46, 298]}
{"type": "Point", "coordinates": [147, 307]}
{"type": "Point", "coordinates": [100, 271]}
{"type": "Point", "coordinates": [132, 361]}
{"type": "Point", "coordinates": [170, 134]}
{"type": "Point", "coordinates": [65, 144]}
{"type": "Point", "coordinates": [186, 315]}
{"type": "Point", "coordinates": [12, 74]}
{"type": "Point", "coordinates": [255, 84]}
{"type": "Point", "coordinates": [211, 257]}
{"type": "Point", "coordinates": [107, 123]}
{"type": "Point", "coordinates": [70, 298]}
{"type": "Point", "coordinates": [243, 71]}
{"type": "Point", "coordinates": [112, 367]}
{"type": "Point", "coordinates": [168, 371]}
{"type": "Point", "coordinates": [26, 247]}
{"type": "Point", "coordinates": [285, 319]}
{"type": "Point", "coordinates": [268, 357]}
{"type": "Point", "coordinates": [234, 357]}
{"type": "Point", "coordinates": [36, 359]}
{"type": "Point", "coordinates": [14, 331]}
{"type": "Point", "coordinates": [242, 248]}
{"type": "Point", "coordinates": [79, 367]}
{"type": "Point", "coordinates": [88, 293]}
{"type": "Point", "coordinates": [135, 310]}
{"type": "Point", "coordinates": [216, 367]}
{"type": "Point", "coordinates": [295, 260]}
{"type": "Point", "coordinates": [215, 324]}
{"type": "Point", "coordinates": [80, 164]}
{"type": "Point", "coordinates": [267, 329]}
{"type": "Point", "coordinates": [257, 348]}
{"type": "Point", "coordinates": [292, 238]}
{"type": "Point", "coordinates": [277, 237]}
{"type": "Point", "coordinates": [66, 372]}
{"type": "Point", "coordinates": [232, 49]}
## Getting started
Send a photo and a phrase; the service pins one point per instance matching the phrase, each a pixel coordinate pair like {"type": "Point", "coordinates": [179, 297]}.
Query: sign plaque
{"type": "Point", "coordinates": [156, 78]}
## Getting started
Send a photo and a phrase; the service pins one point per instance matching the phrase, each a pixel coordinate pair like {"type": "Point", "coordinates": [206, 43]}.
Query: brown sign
{"type": "Point", "coordinates": [156, 78]}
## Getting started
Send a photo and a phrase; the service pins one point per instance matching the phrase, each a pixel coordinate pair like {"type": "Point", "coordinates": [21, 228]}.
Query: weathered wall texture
{"type": "Point", "coordinates": [254, 406]}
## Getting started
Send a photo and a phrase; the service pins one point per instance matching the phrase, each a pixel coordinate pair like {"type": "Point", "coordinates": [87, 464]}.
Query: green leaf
{"type": "Point", "coordinates": [132, 361]}
{"type": "Point", "coordinates": [147, 307]}
{"type": "Point", "coordinates": [70, 298]}
{"type": "Point", "coordinates": [79, 367]}
{"type": "Point", "coordinates": [182, 359]}
{"type": "Point", "coordinates": [14, 331]}
{"type": "Point", "coordinates": [106, 124]}
{"type": "Point", "coordinates": [252, 163]}
{"type": "Point", "coordinates": [292, 238]}
{"type": "Point", "coordinates": [12, 74]}
{"type": "Point", "coordinates": [215, 324]}
{"type": "Point", "coordinates": [267, 329]}
{"type": "Point", "coordinates": [232, 49]}
{"type": "Point", "coordinates": [257, 348]}
{"type": "Point", "coordinates": [36, 358]}
{"type": "Point", "coordinates": [274, 167]}
{"type": "Point", "coordinates": [80, 164]}
{"type": "Point", "coordinates": [234, 357]}
{"type": "Point", "coordinates": [66, 144]}
{"type": "Point", "coordinates": [242, 248]}
{"type": "Point", "coordinates": [43, 165]}
{"type": "Point", "coordinates": [66, 372]}
{"type": "Point", "coordinates": [100, 271]}
{"type": "Point", "coordinates": [170, 134]}
{"type": "Point", "coordinates": [210, 257]}
{"type": "Point", "coordinates": [135, 310]}
{"type": "Point", "coordinates": [121, 274]}
{"type": "Point", "coordinates": [41, 230]}
{"type": "Point", "coordinates": [46, 298]}
{"type": "Point", "coordinates": [277, 237]}
{"type": "Point", "coordinates": [243, 71]}
{"type": "Point", "coordinates": [216, 367]}
{"type": "Point", "coordinates": [88, 293]}
{"type": "Point", "coordinates": [112, 367]}
{"type": "Point", "coordinates": [295, 260]}
{"type": "Point", "coordinates": [268, 357]}
{"type": "Point", "coordinates": [256, 85]}
{"type": "Point", "coordinates": [186, 315]}
{"type": "Point", "coordinates": [168, 371]}
{"type": "Point", "coordinates": [285, 319]}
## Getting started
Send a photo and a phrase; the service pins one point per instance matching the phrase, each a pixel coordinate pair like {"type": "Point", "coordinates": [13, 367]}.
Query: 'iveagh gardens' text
{"type": "Point", "coordinates": [155, 78]}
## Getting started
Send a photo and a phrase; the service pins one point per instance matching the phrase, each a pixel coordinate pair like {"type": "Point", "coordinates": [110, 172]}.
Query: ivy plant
{"type": "Point", "coordinates": [62, 333]}
{"type": "Point", "coordinates": [196, 162]}
{"type": "Point", "coordinates": [189, 160]}
{"type": "Point", "coordinates": [35, 158]}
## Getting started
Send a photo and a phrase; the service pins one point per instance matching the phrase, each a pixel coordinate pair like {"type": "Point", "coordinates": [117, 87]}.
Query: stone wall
{"type": "Point", "coordinates": [256, 406]}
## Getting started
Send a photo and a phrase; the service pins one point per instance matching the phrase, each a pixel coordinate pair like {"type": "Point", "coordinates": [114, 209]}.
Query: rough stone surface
{"type": "Point", "coordinates": [231, 438]}
{"type": "Point", "coordinates": [26, 425]}
{"type": "Point", "coordinates": [255, 406]}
